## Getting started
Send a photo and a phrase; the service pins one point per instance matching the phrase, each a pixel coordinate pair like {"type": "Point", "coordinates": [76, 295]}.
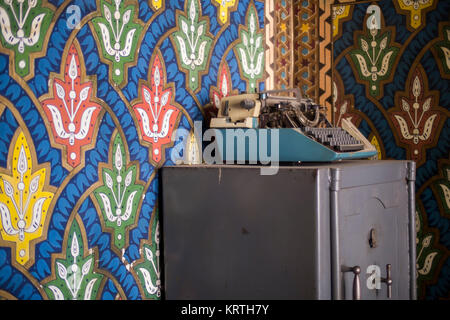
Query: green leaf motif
{"type": "Point", "coordinates": [118, 36]}
{"type": "Point", "coordinates": [23, 26]}
{"type": "Point", "coordinates": [75, 278]}
{"type": "Point", "coordinates": [119, 195]}
{"type": "Point", "coordinates": [250, 50]}
{"type": "Point", "coordinates": [192, 42]}
{"type": "Point", "coordinates": [149, 272]}
{"type": "Point", "coordinates": [374, 59]}
{"type": "Point", "coordinates": [443, 189]}
{"type": "Point", "coordinates": [427, 255]}
{"type": "Point", "coordinates": [443, 50]}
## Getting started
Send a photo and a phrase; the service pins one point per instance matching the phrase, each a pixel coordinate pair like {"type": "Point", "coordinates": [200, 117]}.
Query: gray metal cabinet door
{"type": "Point", "coordinates": [241, 235]}
{"type": "Point", "coordinates": [373, 233]}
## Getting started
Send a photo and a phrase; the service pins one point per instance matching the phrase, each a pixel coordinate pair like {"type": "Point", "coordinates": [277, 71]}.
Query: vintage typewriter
{"type": "Point", "coordinates": [283, 121]}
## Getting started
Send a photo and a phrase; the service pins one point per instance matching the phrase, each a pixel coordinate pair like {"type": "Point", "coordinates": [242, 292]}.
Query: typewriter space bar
{"type": "Point", "coordinates": [350, 147]}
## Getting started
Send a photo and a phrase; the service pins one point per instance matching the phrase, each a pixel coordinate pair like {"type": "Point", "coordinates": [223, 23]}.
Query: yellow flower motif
{"type": "Point", "coordinates": [376, 144]}
{"type": "Point", "coordinates": [415, 7]}
{"type": "Point", "coordinates": [156, 4]}
{"type": "Point", "coordinates": [339, 12]}
{"type": "Point", "coordinates": [23, 203]}
{"type": "Point", "coordinates": [224, 5]}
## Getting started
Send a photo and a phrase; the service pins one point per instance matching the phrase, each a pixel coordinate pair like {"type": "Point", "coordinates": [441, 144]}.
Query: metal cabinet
{"type": "Point", "coordinates": [327, 231]}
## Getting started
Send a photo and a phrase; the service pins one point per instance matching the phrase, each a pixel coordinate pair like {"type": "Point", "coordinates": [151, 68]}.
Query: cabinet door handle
{"type": "Point", "coordinates": [356, 282]}
{"type": "Point", "coordinates": [388, 281]}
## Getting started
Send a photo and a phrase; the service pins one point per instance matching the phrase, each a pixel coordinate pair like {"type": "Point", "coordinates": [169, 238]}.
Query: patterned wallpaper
{"type": "Point", "coordinates": [393, 83]}
{"type": "Point", "coordinates": [299, 35]}
{"type": "Point", "coordinates": [91, 95]}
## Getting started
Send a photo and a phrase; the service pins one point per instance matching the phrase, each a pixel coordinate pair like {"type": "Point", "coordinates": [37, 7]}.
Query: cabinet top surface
{"type": "Point", "coordinates": [302, 166]}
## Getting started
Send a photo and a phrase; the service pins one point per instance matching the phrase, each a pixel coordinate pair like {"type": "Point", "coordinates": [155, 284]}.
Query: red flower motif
{"type": "Point", "coordinates": [71, 112]}
{"type": "Point", "coordinates": [223, 89]}
{"type": "Point", "coordinates": [223, 86]}
{"type": "Point", "coordinates": [156, 115]}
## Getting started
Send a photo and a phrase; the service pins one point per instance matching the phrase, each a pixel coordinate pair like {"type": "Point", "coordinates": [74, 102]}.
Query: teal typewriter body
{"type": "Point", "coordinates": [291, 145]}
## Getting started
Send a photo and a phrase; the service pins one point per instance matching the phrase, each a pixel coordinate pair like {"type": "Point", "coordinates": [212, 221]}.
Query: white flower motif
{"type": "Point", "coordinates": [21, 207]}
{"type": "Point", "coordinates": [251, 51]}
{"type": "Point", "coordinates": [118, 216]}
{"type": "Point", "coordinates": [73, 275]}
{"type": "Point", "coordinates": [115, 49]}
{"type": "Point", "coordinates": [415, 118]}
{"type": "Point", "coordinates": [150, 287]}
{"type": "Point", "coordinates": [20, 19]}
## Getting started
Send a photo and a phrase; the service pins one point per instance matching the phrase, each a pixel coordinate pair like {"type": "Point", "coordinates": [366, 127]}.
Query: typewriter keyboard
{"type": "Point", "coordinates": [335, 138]}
